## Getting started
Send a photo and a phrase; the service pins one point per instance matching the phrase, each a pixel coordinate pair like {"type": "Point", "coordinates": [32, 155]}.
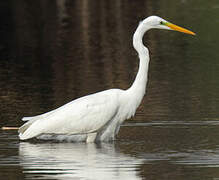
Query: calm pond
{"type": "Point", "coordinates": [52, 52]}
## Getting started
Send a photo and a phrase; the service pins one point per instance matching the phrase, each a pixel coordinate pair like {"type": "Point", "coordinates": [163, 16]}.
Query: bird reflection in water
{"type": "Point", "coordinates": [82, 161]}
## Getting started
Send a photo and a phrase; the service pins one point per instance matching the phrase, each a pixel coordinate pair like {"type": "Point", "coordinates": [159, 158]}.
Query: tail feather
{"type": "Point", "coordinates": [28, 130]}
{"type": "Point", "coordinates": [24, 127]}
{"type": "Point", "coordinates": [26, 118]}
{"type": "Point", "coordinates": [38, 116]}
{"type": "Point", "coordinates": [33, 117]}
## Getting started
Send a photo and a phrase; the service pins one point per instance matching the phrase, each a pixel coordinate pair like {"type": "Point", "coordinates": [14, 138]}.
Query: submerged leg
{"type": "Point", "coordinates": [91, 137]}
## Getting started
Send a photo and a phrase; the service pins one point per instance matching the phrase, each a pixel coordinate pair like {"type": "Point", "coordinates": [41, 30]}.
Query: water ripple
{"type": "Point", "coordinates": [173, 123]}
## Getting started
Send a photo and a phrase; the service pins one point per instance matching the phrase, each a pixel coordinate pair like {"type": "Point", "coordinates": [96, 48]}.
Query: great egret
{"type": "Point", "coordinates": [98, 116]}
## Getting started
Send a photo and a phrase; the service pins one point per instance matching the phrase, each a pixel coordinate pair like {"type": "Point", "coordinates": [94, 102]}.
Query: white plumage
{"type": "Point", "coordinates": [98, 116]}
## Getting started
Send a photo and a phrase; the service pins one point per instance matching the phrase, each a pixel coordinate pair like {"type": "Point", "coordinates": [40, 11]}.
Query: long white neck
{"type": "Point", "coordinates": [137, 90]}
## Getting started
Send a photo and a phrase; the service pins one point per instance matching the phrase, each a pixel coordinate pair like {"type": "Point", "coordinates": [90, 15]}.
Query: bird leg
{"type": "Point", "coordinates": [91, 137]}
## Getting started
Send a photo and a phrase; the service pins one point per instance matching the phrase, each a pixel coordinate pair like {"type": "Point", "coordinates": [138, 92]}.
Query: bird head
{"type": "Point", "coordinates": [159, 23]}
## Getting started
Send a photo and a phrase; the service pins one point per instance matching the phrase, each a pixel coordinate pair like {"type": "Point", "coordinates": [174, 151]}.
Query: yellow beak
{"type": "Point", "coordinates": [180, 29]}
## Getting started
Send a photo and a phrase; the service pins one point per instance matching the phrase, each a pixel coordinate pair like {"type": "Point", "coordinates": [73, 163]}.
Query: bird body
{"type": "Point", "coordinates": [99, 115]}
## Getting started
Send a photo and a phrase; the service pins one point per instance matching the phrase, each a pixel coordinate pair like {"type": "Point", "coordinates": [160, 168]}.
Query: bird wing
{"type": "Point", "coordinates": [84, 115]}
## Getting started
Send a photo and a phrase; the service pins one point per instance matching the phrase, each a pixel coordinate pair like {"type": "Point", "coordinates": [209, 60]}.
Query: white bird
{"type": "Point", "coordinates": [98, 116]}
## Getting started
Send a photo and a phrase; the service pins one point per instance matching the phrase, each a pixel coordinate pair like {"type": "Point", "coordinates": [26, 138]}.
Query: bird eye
{"type": "Point", "coordinates": [161, 22]}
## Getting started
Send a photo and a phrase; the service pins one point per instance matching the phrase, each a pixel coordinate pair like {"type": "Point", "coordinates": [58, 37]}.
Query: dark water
{"type": "Point", "coordinates": [54, 51]}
